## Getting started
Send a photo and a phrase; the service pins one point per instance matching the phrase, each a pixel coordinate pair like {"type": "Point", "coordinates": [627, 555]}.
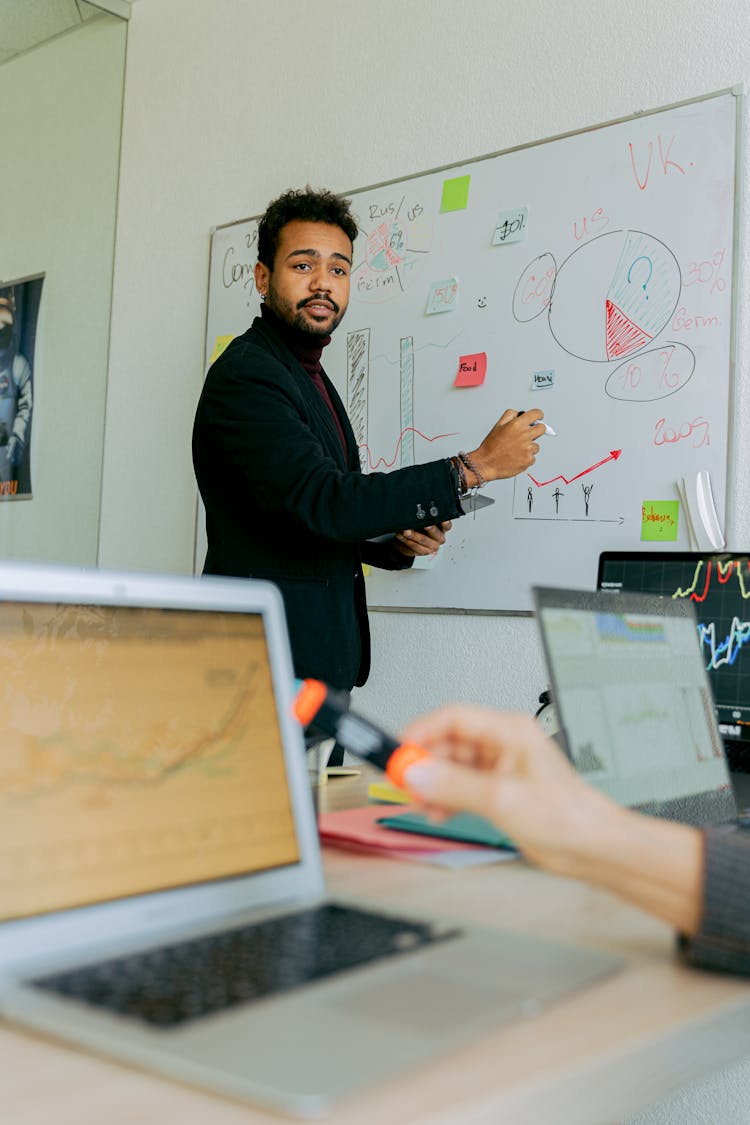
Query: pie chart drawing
{"type": "Point", "coordinates": [614, 295]}
{"type": "Point", "coordinates": [389, 255]}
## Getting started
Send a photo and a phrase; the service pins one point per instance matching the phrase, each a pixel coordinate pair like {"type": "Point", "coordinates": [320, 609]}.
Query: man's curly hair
{"type": "Point", "coordinates": [308, 205]}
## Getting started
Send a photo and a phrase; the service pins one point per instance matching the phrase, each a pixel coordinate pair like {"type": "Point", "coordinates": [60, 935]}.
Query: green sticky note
{"type": "Point", "coordinates": [659, 520]}
{"type": "Point", "coordinates": [466, 827]}
{"type": "Point", "coordinates": [455, 194]}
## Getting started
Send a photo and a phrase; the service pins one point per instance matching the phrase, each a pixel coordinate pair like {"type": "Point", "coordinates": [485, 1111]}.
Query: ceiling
{"type": "Point", "coordinates": [25, 24]}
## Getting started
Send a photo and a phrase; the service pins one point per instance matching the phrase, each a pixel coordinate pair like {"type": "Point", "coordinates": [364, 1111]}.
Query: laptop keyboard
{"type": "Point", "coordinates": [172, 984]}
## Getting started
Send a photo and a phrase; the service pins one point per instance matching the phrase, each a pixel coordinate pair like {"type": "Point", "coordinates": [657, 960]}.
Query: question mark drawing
{"type": "Point", "coordinates": [634, 263]}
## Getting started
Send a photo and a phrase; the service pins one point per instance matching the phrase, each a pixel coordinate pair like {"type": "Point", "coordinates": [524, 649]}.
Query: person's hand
{"type": "Point", "coordinates": [510, 446]}
{"type": "Point", "coordinates": [426, 541]}
{"type": "Point", "coordinates": [503, 767]}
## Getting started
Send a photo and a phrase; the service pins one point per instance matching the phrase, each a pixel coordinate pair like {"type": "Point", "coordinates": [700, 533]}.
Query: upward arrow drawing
{"type": "Point", "coordinates": [613, 456]}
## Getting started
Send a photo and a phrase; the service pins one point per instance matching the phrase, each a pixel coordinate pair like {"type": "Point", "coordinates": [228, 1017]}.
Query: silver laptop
{"type": "Point", "coordinates": [161, 891]}
{"type": "Point", "coordinates": [634, 703]}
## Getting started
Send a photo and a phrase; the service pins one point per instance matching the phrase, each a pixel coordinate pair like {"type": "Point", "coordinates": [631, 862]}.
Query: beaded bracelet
{"type": "Point", "coordinates": [469, 463]}
{"type": "Point", "coordinates": [457, 464]}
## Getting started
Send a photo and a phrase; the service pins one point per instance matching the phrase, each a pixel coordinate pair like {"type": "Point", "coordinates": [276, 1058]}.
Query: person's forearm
{"type": "Point", "coordinates": [656, 864]}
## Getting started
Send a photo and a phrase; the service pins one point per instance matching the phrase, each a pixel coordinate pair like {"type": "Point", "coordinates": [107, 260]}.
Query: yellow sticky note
{"type": "Point", "coordinates": [222, 342]}
{"type": "Point", "coordinates": [455, 194]}
{"type": "Point", "coordinates": [382, 791]}
{"type": "Point", "coordinates": [659, 519]}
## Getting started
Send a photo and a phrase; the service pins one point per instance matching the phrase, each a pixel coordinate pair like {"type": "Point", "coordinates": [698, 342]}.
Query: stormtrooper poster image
{"type": "Point", "coordinates": [19, 310]}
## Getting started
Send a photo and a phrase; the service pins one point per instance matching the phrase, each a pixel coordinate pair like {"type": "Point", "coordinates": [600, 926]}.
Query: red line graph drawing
{"type": "Point", "coordinates": [613, 456]}
{"type": "Point", "coordinates": [407, 430]}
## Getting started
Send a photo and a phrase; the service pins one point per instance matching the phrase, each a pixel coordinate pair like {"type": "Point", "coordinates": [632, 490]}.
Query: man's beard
{"type": "Point", "coordinates": [295, 318]}
{"type": "Point", "coordinates": [6, 336]}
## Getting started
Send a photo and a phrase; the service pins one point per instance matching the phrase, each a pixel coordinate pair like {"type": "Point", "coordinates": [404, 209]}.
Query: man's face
{"type": "Point", "coordinates": [308, 287]}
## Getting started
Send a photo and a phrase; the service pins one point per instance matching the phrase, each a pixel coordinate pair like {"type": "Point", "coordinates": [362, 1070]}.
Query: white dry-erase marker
{"type": "Point", "coordinates": [547, 429]}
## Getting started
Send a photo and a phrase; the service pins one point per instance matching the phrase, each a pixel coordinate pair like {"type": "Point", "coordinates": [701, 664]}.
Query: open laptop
{"type": "Point", "coordinates": [161, 891]}
{"type": "Point", "coordinates": [633, 701]}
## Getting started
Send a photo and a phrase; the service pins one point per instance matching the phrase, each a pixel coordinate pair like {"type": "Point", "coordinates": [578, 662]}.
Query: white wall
{"type": "Point", "coordinates": [62, 104]}
{"type": "Point", "coordinates": [229, 102]}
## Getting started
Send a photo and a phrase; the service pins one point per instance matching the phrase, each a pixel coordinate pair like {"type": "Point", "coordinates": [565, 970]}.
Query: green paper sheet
{"type": "Point", "coordinates": [455, 194]}
{"type": "Point", "coordinates": [659, 519]}
{"type": "Point", "coordinates": [466, 827]}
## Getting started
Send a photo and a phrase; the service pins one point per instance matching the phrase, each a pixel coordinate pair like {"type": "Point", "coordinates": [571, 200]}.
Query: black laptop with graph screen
{"type": "Point", "coordinates": [161, 888]}
{"type": "Point", "coordinates": [633, 702]}
{"type": "Point", "coordinates": [717, 585]}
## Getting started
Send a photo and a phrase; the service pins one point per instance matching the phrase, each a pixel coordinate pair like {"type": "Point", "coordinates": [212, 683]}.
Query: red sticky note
{"type": "Point", "coordinates": [471, 370]}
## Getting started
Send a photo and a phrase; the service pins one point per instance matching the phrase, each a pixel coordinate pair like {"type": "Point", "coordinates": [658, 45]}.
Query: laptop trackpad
{"type": "Point", "coordinates": [328, 1040]}
{"type": "Point", "coordinates": [422, 1002]}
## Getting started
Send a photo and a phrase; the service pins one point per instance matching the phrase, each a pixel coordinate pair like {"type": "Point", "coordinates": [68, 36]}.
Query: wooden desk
{"type": "Point", "coordinates": [589, 1060]}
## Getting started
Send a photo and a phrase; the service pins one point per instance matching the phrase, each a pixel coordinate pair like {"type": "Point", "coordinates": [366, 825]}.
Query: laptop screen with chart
{"type": "Point", "coordinates": [634, 703]}
{"type": "Point", "coordinates": [135, 776]}
{"type": "Point", "coordinates": [718, 587]}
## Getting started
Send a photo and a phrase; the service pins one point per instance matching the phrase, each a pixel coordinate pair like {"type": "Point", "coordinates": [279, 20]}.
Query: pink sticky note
{"type": "Point", "coordinates": [471, 370]}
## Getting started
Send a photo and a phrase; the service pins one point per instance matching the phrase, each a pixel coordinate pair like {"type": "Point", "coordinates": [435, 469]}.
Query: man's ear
{"type": "Point", "coordinates": [262, 274]}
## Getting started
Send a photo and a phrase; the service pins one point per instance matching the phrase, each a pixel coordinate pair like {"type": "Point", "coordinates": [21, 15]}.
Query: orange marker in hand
{"type": "Point", "coordinates": [328, 709]}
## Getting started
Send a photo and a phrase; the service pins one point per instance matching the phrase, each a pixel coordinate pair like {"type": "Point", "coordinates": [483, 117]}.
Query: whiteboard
{"type": "Point", "coordinates": [590, 275]}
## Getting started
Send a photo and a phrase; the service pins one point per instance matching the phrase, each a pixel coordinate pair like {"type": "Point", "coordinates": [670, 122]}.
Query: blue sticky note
{"type": "Point", "coordinates": [443, 296]}
{"type": "Point", "coordinates": [511, 226]}
{"type": "Point", "coordinates": [543, 379]}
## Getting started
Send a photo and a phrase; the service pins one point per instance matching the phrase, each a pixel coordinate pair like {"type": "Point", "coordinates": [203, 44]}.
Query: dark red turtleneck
{"type": "Point", "coordinates": [308, 350]}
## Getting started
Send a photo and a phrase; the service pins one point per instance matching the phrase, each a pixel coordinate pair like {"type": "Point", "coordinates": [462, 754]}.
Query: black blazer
{"type": "Point", "coordinates": [285, 502]}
